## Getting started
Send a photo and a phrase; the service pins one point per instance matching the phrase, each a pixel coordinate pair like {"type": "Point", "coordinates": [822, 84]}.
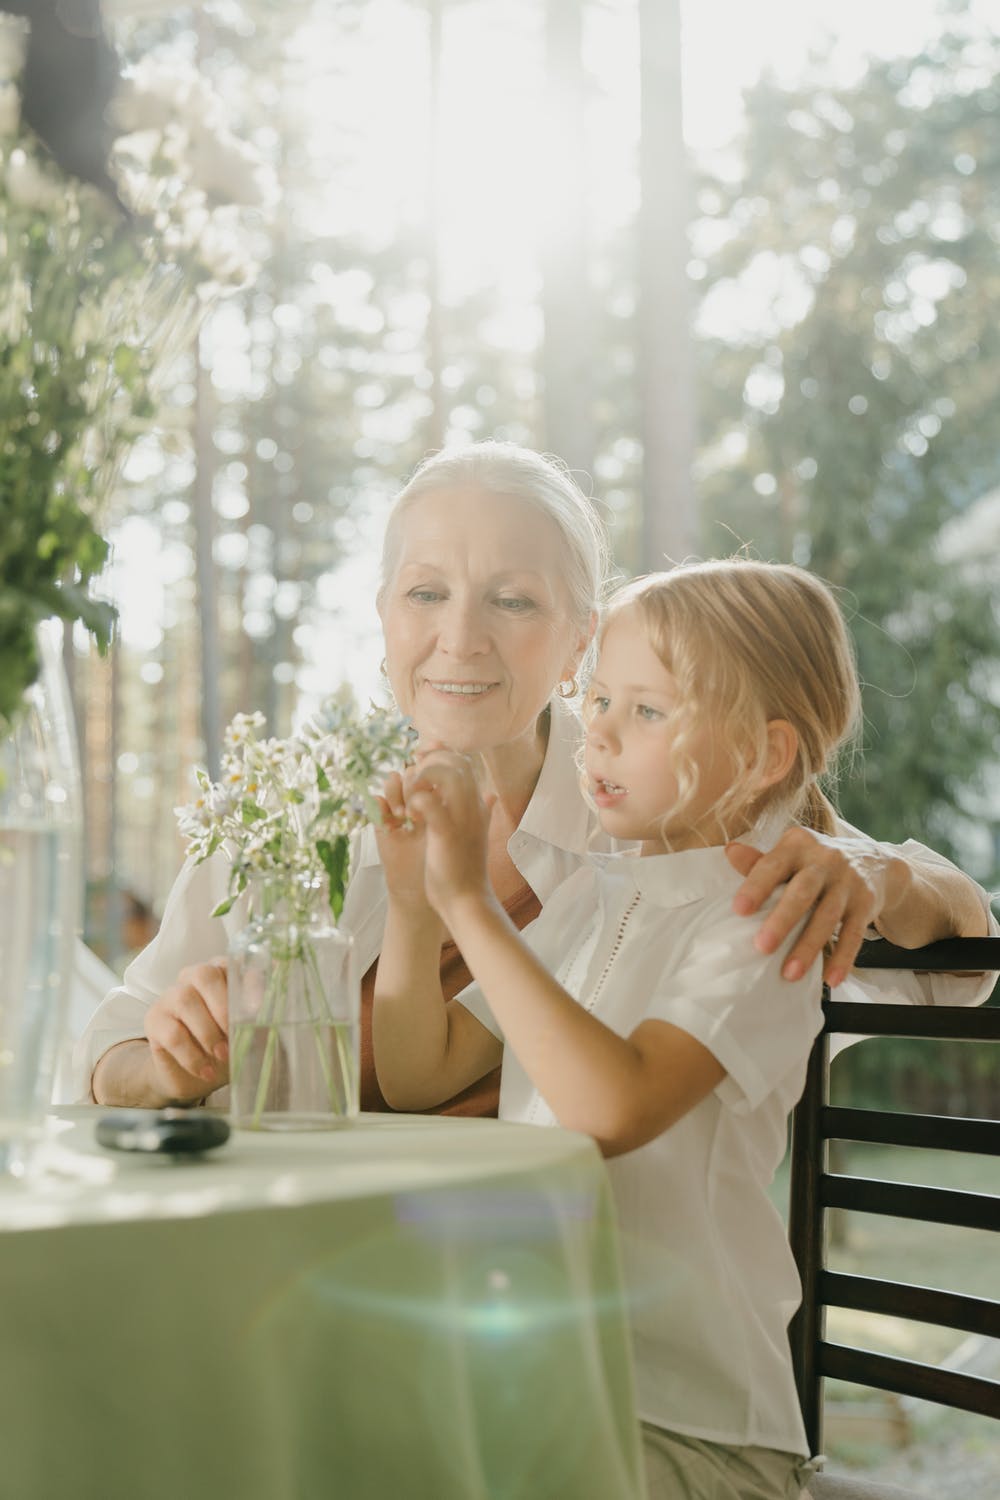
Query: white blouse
{"type": "Point", "coordinates": [709, 1273]}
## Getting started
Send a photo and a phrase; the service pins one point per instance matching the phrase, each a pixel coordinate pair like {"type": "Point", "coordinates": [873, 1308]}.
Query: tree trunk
{"type": "Point", "coordinates": [665, 354]}
{"type": "Point", "coordinates": [567, 352]}
{"type": "Point", "coordinates": [436, 423]}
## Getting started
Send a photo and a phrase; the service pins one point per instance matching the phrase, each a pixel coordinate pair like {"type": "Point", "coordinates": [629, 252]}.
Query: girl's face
{"type": "Point", "coordinates": [631, 753]}
{"type": "Point", "coordinates": [476, 618]}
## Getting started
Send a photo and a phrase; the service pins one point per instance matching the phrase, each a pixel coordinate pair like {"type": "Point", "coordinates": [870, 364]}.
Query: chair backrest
{"type": "Point", "coordinates": [814, 1190]}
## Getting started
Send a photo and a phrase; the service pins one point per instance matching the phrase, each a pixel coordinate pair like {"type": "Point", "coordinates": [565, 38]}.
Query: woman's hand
{"type": "Point", "coordinates": [442, 796]}
{"type": "Point", "coordinates": [186, 1029]}
{"type": "Point", "coordinates": [842, 881]}
{"type": "Point", "coordinates": [402, 848]}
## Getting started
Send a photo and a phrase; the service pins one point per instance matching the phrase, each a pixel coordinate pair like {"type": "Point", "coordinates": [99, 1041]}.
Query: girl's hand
{"type": "Point", "coordinates": [442, 794]}
{"type": "Point", "coordinates": [842, 881]}
{"type": "Point", "coordinates": [402, 848]}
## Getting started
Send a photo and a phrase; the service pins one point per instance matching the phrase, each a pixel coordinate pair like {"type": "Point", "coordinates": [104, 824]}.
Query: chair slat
{"type": "Point", "coordinates": [966, 1024]}
{"type": "Point", "coordinates": [902, 1200]}
{"type": "Point", "coordinates": [908, 1378]}
{"type": "Point", "coordinates": [814, 1189]}
{"type": "Point", "coordinates": [954, 955]}
{"type": "Point", "coordinates": [890, 1128]}
{"type": "Point", "coordinates": [921, 1304]}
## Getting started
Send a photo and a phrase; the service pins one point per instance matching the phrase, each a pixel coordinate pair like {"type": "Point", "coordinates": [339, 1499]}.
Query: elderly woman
{"type": "Point", "coordinates": [493, 567]}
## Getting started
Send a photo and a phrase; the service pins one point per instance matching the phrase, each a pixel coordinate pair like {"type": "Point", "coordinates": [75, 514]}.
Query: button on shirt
{"type": "Point", "coordinates": [712, 1281]}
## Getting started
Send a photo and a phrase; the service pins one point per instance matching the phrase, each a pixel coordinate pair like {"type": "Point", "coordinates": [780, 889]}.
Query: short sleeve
{"type": "Point", "coordinates": [734, 1001]}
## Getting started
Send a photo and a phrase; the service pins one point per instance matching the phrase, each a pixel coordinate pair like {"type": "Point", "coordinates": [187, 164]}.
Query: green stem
{"type": "Point", "coordinates": [317, 1012]}
{"type": "Point", "coordinates": [279, 990]}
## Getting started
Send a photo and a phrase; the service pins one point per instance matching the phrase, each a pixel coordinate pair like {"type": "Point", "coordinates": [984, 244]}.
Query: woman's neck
{"type": "Point", "coordinates": [512, 771]}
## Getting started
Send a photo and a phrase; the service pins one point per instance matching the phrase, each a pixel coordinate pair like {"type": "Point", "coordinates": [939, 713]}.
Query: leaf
{"type": "Point", "coordinates": [239, 886]}
{"type": "Point", "coordinates": [251, 812]}
{"type": "Point", "coordinates": [335, 858]}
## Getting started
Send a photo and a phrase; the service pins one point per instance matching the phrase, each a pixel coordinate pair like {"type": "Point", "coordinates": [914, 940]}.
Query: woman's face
{"type": "Point", "coordinates": [476, 617]}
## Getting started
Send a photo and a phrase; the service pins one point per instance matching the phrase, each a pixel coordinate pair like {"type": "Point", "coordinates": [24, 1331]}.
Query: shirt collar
{"type": "Point", "coordinates": [671, 880]}
{"type": "Point", "coordinates": [557, 813]}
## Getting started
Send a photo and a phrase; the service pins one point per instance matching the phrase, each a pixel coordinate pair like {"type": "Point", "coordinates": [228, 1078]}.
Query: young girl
{"type": "Point", "coordinates": [637, 1008]}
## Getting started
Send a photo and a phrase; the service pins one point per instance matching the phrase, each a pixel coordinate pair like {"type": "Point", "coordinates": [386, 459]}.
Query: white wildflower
{"type": "Point", "coordinates": [225, 168]}
{"type": "Point", "coordinates": [286, 807]}
{"type": "Point", "coordinates": [10, 109]}
{"type": "Point", "coordinates": [29, 185]}
{"type": "Point", "coordinates": [13, 48]}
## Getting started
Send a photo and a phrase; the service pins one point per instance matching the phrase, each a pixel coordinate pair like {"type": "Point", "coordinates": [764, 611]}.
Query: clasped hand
{"type": "Point", "coordinates": [433, 841]}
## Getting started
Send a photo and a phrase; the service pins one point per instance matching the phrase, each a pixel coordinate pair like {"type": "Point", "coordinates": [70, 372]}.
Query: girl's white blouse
{"type": "Point", "coordinates": [708, 1270]}
{"type": "Point", "coordinates": [553, 840]}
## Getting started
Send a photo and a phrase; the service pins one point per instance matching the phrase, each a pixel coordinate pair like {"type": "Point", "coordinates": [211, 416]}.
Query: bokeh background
{"type": "Point", "coordinates": [737, 264]}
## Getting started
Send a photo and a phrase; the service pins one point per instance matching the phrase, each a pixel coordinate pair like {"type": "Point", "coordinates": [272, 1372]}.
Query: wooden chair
{"type": "Point", "coordinates": [814, 1190]}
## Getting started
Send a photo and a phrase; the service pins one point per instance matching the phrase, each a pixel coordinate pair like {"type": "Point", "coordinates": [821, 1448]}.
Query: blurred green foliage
{"type": "Point", "coordinates": [858, 416]}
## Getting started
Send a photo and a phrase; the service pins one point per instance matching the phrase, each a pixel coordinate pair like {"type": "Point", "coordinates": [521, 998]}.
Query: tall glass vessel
{"type": "Point", "coordinates": [294, 1013]}
{"type": "Point", "coordinates": [40, 897]}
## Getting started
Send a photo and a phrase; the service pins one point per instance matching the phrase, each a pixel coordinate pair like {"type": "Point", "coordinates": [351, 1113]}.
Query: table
{"type": "Point", "coordinates": [408, 1308]}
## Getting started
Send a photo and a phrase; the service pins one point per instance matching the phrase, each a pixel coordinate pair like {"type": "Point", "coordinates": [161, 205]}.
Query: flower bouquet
{"type": "Point", "coordinates": [283, 813]}
{"type": "Point", "coordinates": [109, 252]}
{"type": "Point", "coordinates": [103, 277]}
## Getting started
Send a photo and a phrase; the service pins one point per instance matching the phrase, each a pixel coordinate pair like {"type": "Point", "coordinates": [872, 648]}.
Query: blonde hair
{"type": "Point", "coordinates": [503, 470]}
{"type": "Point", "coordinates": [748, 642]}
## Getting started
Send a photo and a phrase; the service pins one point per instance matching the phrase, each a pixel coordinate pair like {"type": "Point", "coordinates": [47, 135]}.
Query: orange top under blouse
{"type": "Point", "coordinates": [481, 1098]}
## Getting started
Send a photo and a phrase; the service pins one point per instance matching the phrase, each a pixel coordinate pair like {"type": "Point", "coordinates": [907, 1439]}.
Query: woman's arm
{"type": "Point", "coordinates": [107, 1070]}
{"type": "Point", "coordinates": [426, 1049]}
{"type": "Point", "coordinates": [851, 883]}
{"type": "Point", "coordinates": [183, 1056]}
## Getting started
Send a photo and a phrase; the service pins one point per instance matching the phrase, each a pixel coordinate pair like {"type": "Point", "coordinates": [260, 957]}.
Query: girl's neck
{"type": "Point", "coordinates": [680, 842]}
{"type": "Point", "coordinates": [709, 834]}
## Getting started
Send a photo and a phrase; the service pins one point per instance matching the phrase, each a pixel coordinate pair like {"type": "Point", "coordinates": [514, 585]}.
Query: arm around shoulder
{"type": "Point", "coordinates": [928, 898]}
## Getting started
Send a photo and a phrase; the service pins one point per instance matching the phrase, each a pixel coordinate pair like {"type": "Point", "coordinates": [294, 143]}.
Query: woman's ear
{"type": "Point", "coordinates": [580, 645]}
{"type": "Point", "coordinates": [782, 752]}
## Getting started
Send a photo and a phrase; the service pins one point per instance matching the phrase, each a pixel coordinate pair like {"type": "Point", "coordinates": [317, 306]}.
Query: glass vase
{"type": "Point", "coordinates": [294, 1013]}
{"type": "Point", "coordinates": [41, 889]}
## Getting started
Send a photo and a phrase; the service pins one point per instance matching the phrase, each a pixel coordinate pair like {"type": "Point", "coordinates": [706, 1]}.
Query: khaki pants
{"type": "Point", "coordinates": [687, 1468]}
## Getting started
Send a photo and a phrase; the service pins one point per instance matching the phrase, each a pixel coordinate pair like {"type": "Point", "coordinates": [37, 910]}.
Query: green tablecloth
{"type": "Point", "coordinates": [411, 1308]}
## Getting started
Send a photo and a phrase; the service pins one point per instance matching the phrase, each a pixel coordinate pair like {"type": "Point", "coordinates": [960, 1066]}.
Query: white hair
{"type": "Point", "coordinates": [504, 470]}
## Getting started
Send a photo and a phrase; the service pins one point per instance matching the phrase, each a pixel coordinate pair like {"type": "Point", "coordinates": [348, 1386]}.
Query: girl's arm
{"type": "Point", "coordinates": [426, 1049]}
{"type": "Point", "coordinates": [623, 1091]}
